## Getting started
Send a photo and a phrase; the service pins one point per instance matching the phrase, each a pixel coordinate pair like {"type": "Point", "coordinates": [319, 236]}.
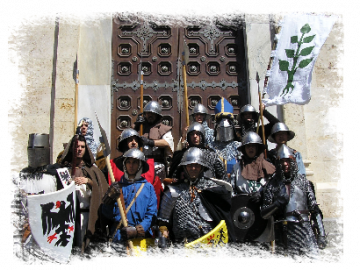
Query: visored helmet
{"type": "Point", "coordinates": [38, 150]}
{"type": "Point", "coordinates": [224, 130]}
{"type": "Point", "coordinates": [132, 153]}
{"type": "Point", "coordinates": [280, 127]}
{"type": "Point", "coordinates": [252, 138]}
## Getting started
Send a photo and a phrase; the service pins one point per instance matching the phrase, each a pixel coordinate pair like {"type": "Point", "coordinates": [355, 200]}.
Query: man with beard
{"type": "Point", "coordinates": [248, 119]}
{"type": "Point", "coordinates": [290, 199]}
{"type": "Point", "coordinates": [38, 177]}
{"type": "Point", "coordinates": [194, 207]}
{"type": "Point", "coordinates": [157, 138]}
{"type": "Point", "coordinates": [91, 186]}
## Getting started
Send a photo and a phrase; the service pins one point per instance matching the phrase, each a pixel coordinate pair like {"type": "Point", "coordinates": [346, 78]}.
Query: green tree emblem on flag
{"type": "Point", "coordinates": [284, 65]}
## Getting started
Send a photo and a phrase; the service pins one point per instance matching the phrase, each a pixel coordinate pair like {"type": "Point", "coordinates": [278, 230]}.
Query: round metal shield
{"type": "Point", "coordinates": [243, 218]}
{"type": "Point", "coordinates": [245, 214]}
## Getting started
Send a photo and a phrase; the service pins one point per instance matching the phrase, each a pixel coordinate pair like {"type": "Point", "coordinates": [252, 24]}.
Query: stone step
{"type": "Point", "coordinates": [332, 255]}
{"type": "Point", "coordinates": [335, 239]}
{"type": "Point", "coordinates": [334, 224]}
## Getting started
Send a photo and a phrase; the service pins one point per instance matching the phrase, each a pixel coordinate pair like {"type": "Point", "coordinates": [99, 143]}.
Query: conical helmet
{"type": "Point", "coordinates": [280, 127]}
{"type": "Point", "coordinates": [284, 152]}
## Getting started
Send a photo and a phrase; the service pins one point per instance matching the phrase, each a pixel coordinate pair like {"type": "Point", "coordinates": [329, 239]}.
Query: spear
{"type": "Point", "coordinates": [106, 149]}
{"type": "Point", "coordinates": [185, 60]}
{"type": "Point", "coordinates": [261, 113]}
{"type": "Point", "coordinates": [141, 73]}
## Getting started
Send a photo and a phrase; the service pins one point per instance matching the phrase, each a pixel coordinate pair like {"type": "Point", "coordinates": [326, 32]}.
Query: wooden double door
{"type": "Point", "coordinates": [216, 68]}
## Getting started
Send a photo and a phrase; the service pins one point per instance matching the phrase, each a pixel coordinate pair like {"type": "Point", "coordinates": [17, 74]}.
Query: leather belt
{"type": "Point", "coordinates": [297, 212]}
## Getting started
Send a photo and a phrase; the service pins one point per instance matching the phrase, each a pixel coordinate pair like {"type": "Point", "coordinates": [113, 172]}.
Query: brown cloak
{"type": "Point", "coordinates": [99, 188]}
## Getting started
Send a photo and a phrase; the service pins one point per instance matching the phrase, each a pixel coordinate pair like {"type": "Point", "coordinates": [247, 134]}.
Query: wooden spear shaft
{"type": "Point", "coordinates": [121, 207]}
{"type": "Point", "coordinates": [261, 114]}
{"type": "Point", "coordinates": [186, 97]}
{"type": "Point", "coordinates": [141, 99]}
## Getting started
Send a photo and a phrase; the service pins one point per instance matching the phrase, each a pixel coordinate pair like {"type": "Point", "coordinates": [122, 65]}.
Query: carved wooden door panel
{"type": "Point", "coordinates": [155, 48]}
{"type": "Point", "coordinates": [216, 68]}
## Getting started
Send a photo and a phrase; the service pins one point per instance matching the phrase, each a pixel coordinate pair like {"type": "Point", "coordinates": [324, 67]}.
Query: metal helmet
{"type": "Point", "coordinates": [38, 150]}
{"type": "Point", "coordinates": [284, 152]}
{"type": "Point", "coordinates": [133, 153]}
{"type": "Point", "coordinates": [193, 155]}
{"type": "Point", "coordinates": [127, 133]}
{"type": "Point", "coordinates": [280, 127]}
{"type": "Point", "coordinates": [199, 108]}
{"type": "Point", "coordinates": [224, 130]}
{"type": "Point", "coordinates": [196, 127]}
{"type": "Point", "coordinates": [153, 107]}
{"type": "Point", "coordinates": [252, 138]}
{"type": "Point", "coordinates": [248, 108]}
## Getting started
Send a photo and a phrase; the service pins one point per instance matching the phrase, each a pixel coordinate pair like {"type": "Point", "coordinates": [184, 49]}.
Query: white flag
{"type": "Point", "coordinates": [299, 43]}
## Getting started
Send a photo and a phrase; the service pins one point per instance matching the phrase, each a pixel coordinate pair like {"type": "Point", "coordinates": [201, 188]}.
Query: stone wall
{"type": "Point", "coordinates": [31, 55]}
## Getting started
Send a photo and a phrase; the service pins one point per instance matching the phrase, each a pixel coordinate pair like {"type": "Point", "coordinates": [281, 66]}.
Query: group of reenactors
{"type": "Point", "coordinates": [179, 195]}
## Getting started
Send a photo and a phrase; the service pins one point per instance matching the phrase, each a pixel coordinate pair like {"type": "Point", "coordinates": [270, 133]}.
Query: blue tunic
{"type": "Point", "coordinates": [141, 212]}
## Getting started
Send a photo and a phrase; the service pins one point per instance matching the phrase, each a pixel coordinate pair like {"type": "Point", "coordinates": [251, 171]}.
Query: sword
{"type": "Point", "coordinates": [106, 149]}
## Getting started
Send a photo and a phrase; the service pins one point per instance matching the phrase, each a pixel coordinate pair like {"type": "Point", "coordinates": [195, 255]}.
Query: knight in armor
{"type": "Point", "coordinates": [290, 200]}
{"type": "Point", "coordinates": [226, 142]}
{"type": "Point", "coordinates": [249, 177]}
{"type": "Point", "coordinates": [37, 178]}
{"type": "Point", "coordinates": [91, 186]}
{"type": "Point", "coordinates": [192, 208]}
{"type": "Point", "coordinates": [199, 115]}
{"type": "Point", "coordinates": [139, 199]}
{"type": "Point", "coordinates": [248, 119]}
{"type": "Point", "coordinates": [196, 138]}
{"type": "Point", "coordinates": [280, 134]}
{"type": "Point", "coordinates": [157, 138]}
{"type": "Point", "coordinates": [130, 139]}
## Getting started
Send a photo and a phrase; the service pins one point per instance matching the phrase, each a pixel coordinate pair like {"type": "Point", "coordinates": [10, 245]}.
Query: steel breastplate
{"type": "Point", "coordinates": [298, 201]}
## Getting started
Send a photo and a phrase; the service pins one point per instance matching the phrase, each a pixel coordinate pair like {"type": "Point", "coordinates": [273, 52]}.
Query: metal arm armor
{"type": "Point", "coordinates": [168, 201]}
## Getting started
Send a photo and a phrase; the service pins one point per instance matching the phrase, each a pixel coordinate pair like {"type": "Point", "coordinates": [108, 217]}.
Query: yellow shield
{"type": "Point", "coordinates": [144, 248]}
{"type": "Point", "coordinates": [213, 245]}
